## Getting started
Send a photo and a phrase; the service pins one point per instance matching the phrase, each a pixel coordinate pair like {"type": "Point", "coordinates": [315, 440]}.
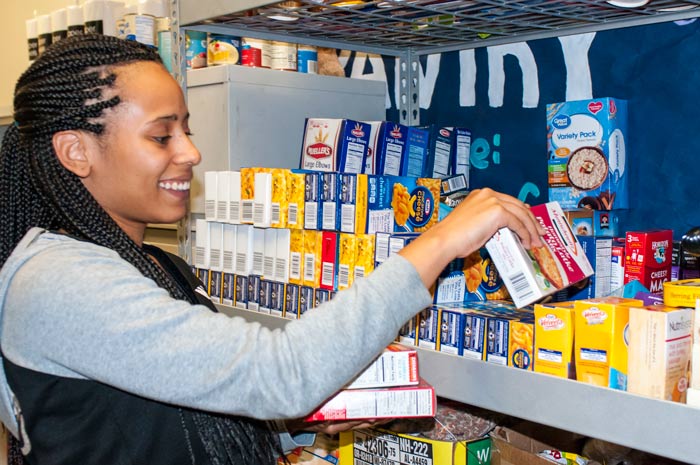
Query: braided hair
{"type": "Point", "coordinates": [63, 90]}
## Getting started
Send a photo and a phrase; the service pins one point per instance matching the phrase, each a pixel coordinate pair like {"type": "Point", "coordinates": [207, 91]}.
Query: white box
{"type": "Point", "coordinates": [234, 200]}
{"type": "Point", "coordinates": [201, 248]}
{"type": "Point", "coordinates": [283, 253]}
{"type": "Point", "coordinates": [229, 248]}
{"type": "Point", "coordinates": [223, 193]}
{"type": "Point", "coordinates": [270, 254]}
{"type": "Point", "coordinates": [243, 262]}
{"type": "Point", "coordinates": [210, 192]}
{"type": "Point", "coordinates": [262, 205]}
{"type": "Point", "coordinates": [216, 246]}
{"type": "Point", "coordinates": [231, 130]}
{"type": "Point", "coordinates": [258, 251]}
{"type": "Point", "coordinates": [397, 365]}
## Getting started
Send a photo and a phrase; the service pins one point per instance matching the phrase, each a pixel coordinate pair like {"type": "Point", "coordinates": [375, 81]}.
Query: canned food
{"type": "Point", "coordinates": [307, 59]}
{"type": "Point", "coordinates": [255, 53]}
{"type": "Point", "coordinates": [196, 49]}
{"type": "Point", "coordinates": [283, 56]}
{"type": "Point", "coordinates": [223, 49]}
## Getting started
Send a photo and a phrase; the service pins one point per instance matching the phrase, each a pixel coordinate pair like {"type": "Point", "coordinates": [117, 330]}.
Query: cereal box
{"type": "Point", "coordinates": [648, 258]}
{"type": "Point", "coordinates": [389, 151]}
{"type": "Point", "coordinates": [415, 153]}
{"type": "Point", "coordinates": [586, 152]}
{"type": "Point", "coordinates": [532, 274]}
{"type": "Point", "coordinates": [554, 339]}
{"type": "Point", "coordinates": [352, 198]}
{"type": "Point", "coordinates": [364, 255]}
{"type": "Point", "coordinates": [334, 145]}
{"type": "Point", "coordinates": [659, 351]}
{"type": "Point", "coordinates": [402, 204]}
{"type": "Point", "coordinates": [601, 328]}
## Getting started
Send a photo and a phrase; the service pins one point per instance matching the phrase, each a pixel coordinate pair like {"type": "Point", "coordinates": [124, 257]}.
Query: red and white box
{"type": "Point", "coordinates": [532, 274]}
{"type": "Point", "coordinates": [648, 258]}
{"type": "Point", "coordinates": [396, 366]}
{"type": "Point", "coordinates": [392, 402]}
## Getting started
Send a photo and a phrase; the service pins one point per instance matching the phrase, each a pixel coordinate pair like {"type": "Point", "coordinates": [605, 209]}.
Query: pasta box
{"type": "Point", "coordinates": [587, 162]}
{"type": "Point", "coordinates": [334, 145]}
{"type": "Point", "coordinates": [401, 203]}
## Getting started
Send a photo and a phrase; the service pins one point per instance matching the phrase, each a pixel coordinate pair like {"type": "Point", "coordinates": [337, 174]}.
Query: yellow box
{"type": "Point", "coordinates": [601, 327]}
{"type": "Point", "coordinates": [296, 186]}
{"type": "Point", "coordinates": [313, 246]}
{"type": "Point", "coordinates": [659, 351]}
{"type": "Point", "coordinates": [296, 256]}
{"type": "Point", "coordinates": [364, 255]}
{"type": "Point", "coordinates": [683, 293]}
{"type": "Point", "coordinates": [554, 339]}
{"type": "Point", "coordinates": [280, 201]}
{"type": "Point", "coordinates": [381, 446]}
{"type": "Point", "coordinates": [248, 192]}
{"type": "Point", "coordinates": [521, 346]}
{"type": "Point", "coordinates": [346, 260]}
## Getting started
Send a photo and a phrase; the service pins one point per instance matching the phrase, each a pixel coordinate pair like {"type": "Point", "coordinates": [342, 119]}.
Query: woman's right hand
{"type": "Point", "coordinates": [467, 228]}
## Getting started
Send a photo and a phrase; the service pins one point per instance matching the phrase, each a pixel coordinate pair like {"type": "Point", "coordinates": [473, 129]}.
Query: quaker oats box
{"type": "Point", "coordinates": [587, 161]}
{"type": "Point", "coordinates": [334, 145]}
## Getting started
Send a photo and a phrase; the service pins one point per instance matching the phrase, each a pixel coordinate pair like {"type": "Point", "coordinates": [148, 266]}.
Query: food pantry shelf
{"type": "Point", "coordinates": [423, 26]}
{"type": "Point", "coordinates": [659, 427]}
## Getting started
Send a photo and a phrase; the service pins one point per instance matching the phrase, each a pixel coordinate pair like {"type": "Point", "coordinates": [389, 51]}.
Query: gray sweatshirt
{"type": "Point", "coordinates": [75, 309]}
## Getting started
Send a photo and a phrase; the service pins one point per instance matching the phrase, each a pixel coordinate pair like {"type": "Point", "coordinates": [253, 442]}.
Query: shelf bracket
{"type": "Point", "coordinates": [409, 85]}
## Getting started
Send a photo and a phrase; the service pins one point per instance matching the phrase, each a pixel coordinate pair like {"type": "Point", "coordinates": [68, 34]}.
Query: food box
{"type": "Point", "coordinates": [415, 152]}
{"type": "Point", "coordinates": [389, 149]}
{"type": "Point", "coordinates": [683, 293]}
{"type": "Point", "coordinates": [389, 402]}
{"type": "Point", "coordinates": [375, 446]}
{"type": "Point", "coordinates": [459, 162]}
{"type": "Point", "coordinates": [329, 261]}
{"type": "Point", "coordinates": [347, 249]}
{"type": "Point", "coordinates": [397, 365]}
{"type": "Point", "coordinates": [402, 203]}
{"type": "Point", "coordinates": [586, 150]}
{"type": "Point", "coordinates": [660, 340]}
{"type": "Point", "coordinates": [587, 222]}
{"type": "Point", "coordinates": [554, 339]}
{"type": "Point", "coordinates": [428, 328]}
{"type": "Point", "coordinates": [330, 211]}
{"type": "Point", "coordinates": [334, 145]}
{"type": "Point", "coordinates": [617, 264]}
{"type": "Point", "coordinates": [648, 258]}
{"type": "Point", "coordinates": [296, 190]}
{"type": "Point", "coordinates": [476, 279]}
{"type": "Point", "coordinates": [598, 250]}
{"type": "Point", "coordinates": [352, 198]}
{"type": "Point", "coordinates": [364, 255]}
{"type": "Point", "coordinates": [601, 329]}
{"type": "Point", "coordinates": [439, 151]}
{"type": "Point", "coordinates": [532, 274]}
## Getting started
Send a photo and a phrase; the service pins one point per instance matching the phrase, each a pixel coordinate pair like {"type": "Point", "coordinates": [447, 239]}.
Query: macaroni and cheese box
{"type": "Point", "coordinates": [364, 255]}
{"type": "Point", "coordinates": [334, 145]}
{"type": "Point", "coordinates": [429, 328]}
{"type": "Point", "coordinates": [313, 184]}
{"type": "Point", "coordinates": [532, 274]}
{"type": "Point", "coordinates": [276, 298]}
{"type": "Point", "coordinates": [321, 296]}
{"type": "Point", "coordinates": [648, 258]}
{"type": "Point", "coordinates": [254, 290]}
{"type": "Point", "coordinates": [389, 151]}
{"type": "Point", "coordinates": [452, 321]}
{"type": "Point", "coordinates": [601, 329]}
{"type": "Point", "coordinates": [248, 192]}
{"type": "Point", "coordinates": [660, 340]}
{"type": "Point", "coordinates": [296, 256]}
{"type": "Point", "coordinates": [398, 241]}
{"type": "Point", "coordinates": [474, 344]}
{"type": "Point", "coordinates": [265, 294]}
{"type": "Point", "coordinates": [415, 152]}
{"type": "Point", "coordinates": [296, 190]}
{"type": "Point", "coordinates": [216, 281]}
{"type": "Point", "coordinates": [521, 342]}
{"type": "Point", "coordinates": [353, 203]}
{"type": "Point", "coordinates": [402, 204]}
{"type": "Point", "coordinates": [554, 339]}
{"type": "Point", "coordinates": [474, 279]}
{"type": "Point", "coordinates": [376, 446]}
{"type": "Point", "coordinates": [408, 333]}
{"type": "Point", "coordinates": [586, 149]}
{"type": "Point", "coordinates": [228, 291]}
{"type": "Point", "coordinates": [291, 302]}
{"type": "Point", "coordinates": [371, 159]}
{"type": "Point", "coordinates": [281, 178]}
{"type": "Point", "coordinates": [262, 200]}
{"type": "Point", "coordinates": [312, 258]}
{"type": "Point", "coordinates": [347, 249]}
{"type": "Point", "coordinates": [306, 299]}
{"type": "Point", "coordinates": [241, 289]}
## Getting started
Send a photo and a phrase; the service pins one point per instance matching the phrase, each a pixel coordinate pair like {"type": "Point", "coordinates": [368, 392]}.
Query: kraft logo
{"type": "Point", "coordinates": [561, 122]}
{"type": "Point", "coordinates": [595, 107]}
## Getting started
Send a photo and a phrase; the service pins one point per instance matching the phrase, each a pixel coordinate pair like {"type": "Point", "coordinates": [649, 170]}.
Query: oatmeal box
{"type": "Point", "coordinates": [586, 153]}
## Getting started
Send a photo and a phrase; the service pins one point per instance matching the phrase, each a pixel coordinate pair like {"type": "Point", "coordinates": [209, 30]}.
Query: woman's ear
{"type": "Point", "coordinates": [71, 150]}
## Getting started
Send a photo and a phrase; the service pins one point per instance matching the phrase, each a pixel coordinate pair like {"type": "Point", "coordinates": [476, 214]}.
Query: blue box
{"type": "Point", "coordinates": [416, 153]}
{"type": "Point", "coordinates": [330, 192]}
{"type": "Point", "coordinates": [228, 292]}
{"type": "Point", "coordinates": [312, 199]}
{"type": "Point", "coordinates": [452, 320]}
{"type": "Point", "coordinates": [389, 151]}
{"type": "Point", "coordinates": [306, 299]}
{"type": "Point", "coordinates": [587, 165]}
{"type": "Point", "coordinates": [388, 200]}
{"type": "Point", "coordinates": [428, 320]}
{"type": "Point", "coordinates": [291, 299]}
{"type": "Point", "coordinates": [334, 145]}
{"type": "Point", "coordinates": [459, 159]}
{"type": "Point", "coordinates": [474, 336]}
{"type": "Point", "coordinates": [598, 250]}
{"type": "Point", "coordinates": [241, 299]}
{"type": "Point", "coordinates": [276, 298]}
{"type": "Point", "coordinates": [440, 151]}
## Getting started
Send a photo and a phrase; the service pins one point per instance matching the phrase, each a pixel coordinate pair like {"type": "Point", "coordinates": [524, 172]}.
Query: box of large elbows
{"type": "Point", "coordinates": [334, 145]}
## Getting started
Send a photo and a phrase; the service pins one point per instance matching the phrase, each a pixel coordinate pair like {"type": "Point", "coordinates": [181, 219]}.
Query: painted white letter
{"type": "Point", "coordinates": [578, 71]}
{"type": "Point", "coordinates": [467, 78]}
{"type": "Point", "coordinates": [497, 78]}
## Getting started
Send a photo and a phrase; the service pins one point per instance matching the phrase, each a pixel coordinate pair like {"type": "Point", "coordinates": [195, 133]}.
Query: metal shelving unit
{"type": "Point", "coordinates": [659, 427]}
{"type": "Point", "coordinates": [408, 29]}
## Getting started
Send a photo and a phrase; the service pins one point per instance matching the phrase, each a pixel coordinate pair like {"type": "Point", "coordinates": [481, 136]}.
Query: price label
{"type": "Point", "coordinates": [384, 449]}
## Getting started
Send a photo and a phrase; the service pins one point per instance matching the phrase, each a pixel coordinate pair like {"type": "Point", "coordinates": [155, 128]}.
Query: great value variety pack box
{"type": "Point", "coordinates": [587, 157]}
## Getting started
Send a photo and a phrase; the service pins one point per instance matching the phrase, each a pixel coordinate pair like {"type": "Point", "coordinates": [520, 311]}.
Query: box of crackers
{"type": "Point", "coordinates": [530, 275]}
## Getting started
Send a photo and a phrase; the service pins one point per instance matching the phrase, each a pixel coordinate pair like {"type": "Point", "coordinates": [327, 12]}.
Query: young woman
{"type": "Point", "coordinates": [110, 356]}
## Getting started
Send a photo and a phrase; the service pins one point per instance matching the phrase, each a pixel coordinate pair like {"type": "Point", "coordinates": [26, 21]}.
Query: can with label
{"type": "Point", "coordinates": [283, 56]}
{"type": "Point", "coordinates": [255, 53]}
{"type": "Point", "coordinates": [307, 59]}
{"type": "Point", "coordinates": [223, 49]}
{"type": "Point", "coordinates": [195, 49]}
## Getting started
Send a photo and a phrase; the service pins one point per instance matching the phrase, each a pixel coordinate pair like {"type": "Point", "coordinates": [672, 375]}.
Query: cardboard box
{"type": "Point", "coordinates": [397, 365]}
{"type": "Point", "coordinates": [234, 214]}
{"type": "Point", "coordinates": [228, 291]}
{"type": "Point", "coordinates": [554, 339]}
{"type": "Point", "coordinates": [683, 293]}
{"type": "Point", "coordinates": [347, 248]}
{"type": "Point", "coordinates": [312, 258]}
{"type": "Point", "coordinates": [296, 256]}
{"type": "Point", "coordinates": [210, 193]}
{"type": "Point", "coordinates": [440, 151]}
{"type": "Point", "coordinates": [474, 336]}
{"type": "Point", "coordinates": [334, 145]}
{"type": "Point", "coordinates": [428, 328]}
{"type": "Point", "coordinates": [296, 190]}
{"type": "Point", "coordinates": [352, 200]}
{"type": "Point", "coordinates": [660, 340]}
{"type": "Point", "coordinates": [598, 250]}
{"type": "Point", "coordinates": [312, 200]}
{"type": "Point", "coordinates": [402, 204]}
{"type": "Point", "coordinates": [408, 333]}
{"type": "Point", "coordinates": [389, 149]}
{"type": "Point", "coordinates": [364, 255]}
{"type": "Point", "coordinates": [587, 222]}
{"type": "Point", "coordinates": [241, 291]}
{"type": "Point", "coordinates": [329, 261]}
{"type": "Point", "coordinates": [375, 446]}
{"type": "Point", "coordinates": [415, 152]}
{"type": "Point", "coordinates": [223, 194]}
{"type": "Point", "coordinates": [391, 402]}
{"type": "Point", "coordinates": [648, 258]}
{"type": "Point", "coordinates": [452, 323]}
{"type": "Point", "coordinates": [617, 264]}
{"type": "Point", "coordinates": [280, 197]}
{"type": "Point", "coordinates": [587, 160]}
{"type": "Point", "coordinates": [291, 299]}
{"type": "Point", "coordinates": [330, 211]}
{"type": "Point", "coordinates": [532, 274]}
{"type": "Point", "coordinates": [601, 351]}
{"type": "Point", "coordinates": [459, 162]}
{"type": "Point", "coordinates": [513, 448]}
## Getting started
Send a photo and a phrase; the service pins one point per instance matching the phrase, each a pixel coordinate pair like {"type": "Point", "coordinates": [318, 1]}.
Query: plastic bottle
{"type": "Point", "coordinates": [165, 41]}
{"type": "Point", "coordinates": [101, 16]}
{"type": "Point", "coordinates": [59, 26]}
{"type": "Point", "coordinates": [32, 39]}
{"type": "Point", "coordinates": [75, 23]}
{"type": "Point", "coordinates": [43, 25]}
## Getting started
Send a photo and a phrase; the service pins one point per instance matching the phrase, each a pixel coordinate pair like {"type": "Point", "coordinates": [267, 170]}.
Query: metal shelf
{"type": "Point", "coordinates": [659, 427]}
{"type": "Point", "coordinates": [422, 26]}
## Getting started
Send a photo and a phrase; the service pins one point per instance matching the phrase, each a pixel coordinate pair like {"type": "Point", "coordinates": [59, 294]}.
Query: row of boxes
{"type": "Point", "coordinates": [384, 148]}
{"type": "Point", "coordinates": [329, 201]}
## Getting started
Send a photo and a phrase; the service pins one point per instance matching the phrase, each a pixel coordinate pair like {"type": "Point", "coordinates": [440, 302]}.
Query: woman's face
{"type": "Point", "coordinates": [142, 167]}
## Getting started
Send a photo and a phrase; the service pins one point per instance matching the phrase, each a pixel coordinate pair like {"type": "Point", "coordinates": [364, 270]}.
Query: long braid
{"type": "Point", "coordinates": [64, 90]}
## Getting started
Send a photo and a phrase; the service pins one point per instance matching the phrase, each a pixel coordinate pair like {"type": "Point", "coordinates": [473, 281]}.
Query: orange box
{"type": "Point", "coordinates": [601, 327]}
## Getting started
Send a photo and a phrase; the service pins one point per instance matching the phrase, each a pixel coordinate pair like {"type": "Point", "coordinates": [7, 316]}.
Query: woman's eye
{"type": "Point", "coordinates": [162, 140]}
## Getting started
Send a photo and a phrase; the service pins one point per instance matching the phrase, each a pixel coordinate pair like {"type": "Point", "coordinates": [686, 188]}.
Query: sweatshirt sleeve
{"type": "Point", "coordinates": [79, 310]}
